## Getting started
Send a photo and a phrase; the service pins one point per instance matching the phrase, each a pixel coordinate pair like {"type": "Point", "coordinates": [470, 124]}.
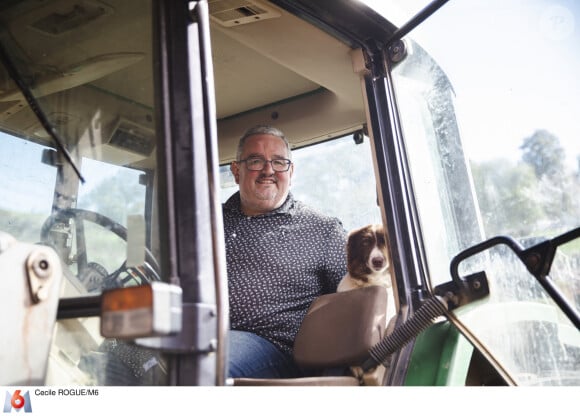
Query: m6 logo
{"type": "Point", "coordinates": [17, 402]}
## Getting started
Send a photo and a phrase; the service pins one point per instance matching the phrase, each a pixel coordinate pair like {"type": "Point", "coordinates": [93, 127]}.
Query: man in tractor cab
{"type": "Point", "coordinates": [281, 255]}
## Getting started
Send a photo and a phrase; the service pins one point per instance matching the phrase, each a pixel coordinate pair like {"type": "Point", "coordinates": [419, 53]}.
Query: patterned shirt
{"type": "Point", "coordinates": [277, 264]}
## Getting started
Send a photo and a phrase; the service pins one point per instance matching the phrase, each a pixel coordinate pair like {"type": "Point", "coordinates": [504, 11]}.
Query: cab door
{"type": "Point", "coordinates": [481, 182]}
{"type": "Point", "coordinates": [109, 174]}
{"type": "Point", "coordinates": [193, 211]}
{"type": "Point", "coordinates": [473, 140]}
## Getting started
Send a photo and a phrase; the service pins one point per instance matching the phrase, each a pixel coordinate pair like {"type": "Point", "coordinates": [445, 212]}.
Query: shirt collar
{"type": "Point", "coordinates": [288, 207]}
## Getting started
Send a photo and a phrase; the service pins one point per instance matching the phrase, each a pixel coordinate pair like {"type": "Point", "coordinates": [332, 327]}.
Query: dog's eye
{"type": "Point", "coordinates": [381, 239]}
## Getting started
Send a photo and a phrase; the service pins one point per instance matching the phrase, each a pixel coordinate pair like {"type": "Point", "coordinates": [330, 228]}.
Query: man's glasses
{"type": "Point", "coordinates": [257, 163]}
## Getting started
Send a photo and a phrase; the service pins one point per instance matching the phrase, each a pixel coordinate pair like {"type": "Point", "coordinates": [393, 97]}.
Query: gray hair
{"type": "Point", "coordinates": [262, 129]}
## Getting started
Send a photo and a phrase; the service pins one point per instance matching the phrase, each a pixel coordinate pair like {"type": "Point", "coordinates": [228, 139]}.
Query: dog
{"type": "Point", "coordinates": [367, 259]}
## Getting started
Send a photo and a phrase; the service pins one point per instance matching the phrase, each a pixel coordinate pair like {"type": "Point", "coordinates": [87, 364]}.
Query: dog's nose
{"type": "Point", "coordinates": [377, 262]}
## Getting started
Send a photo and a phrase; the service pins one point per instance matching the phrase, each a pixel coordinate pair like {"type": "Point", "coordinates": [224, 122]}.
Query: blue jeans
{"type": "Point", "coordinates": [252, 356]}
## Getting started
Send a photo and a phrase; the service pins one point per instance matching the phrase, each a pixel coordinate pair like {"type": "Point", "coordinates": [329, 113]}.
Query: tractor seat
{"type": "Point", "coordinates": [334, 338]}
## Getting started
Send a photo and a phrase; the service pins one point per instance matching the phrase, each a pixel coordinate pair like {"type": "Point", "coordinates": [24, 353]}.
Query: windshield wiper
{"type": "Point", "coordinates": [35, 107]}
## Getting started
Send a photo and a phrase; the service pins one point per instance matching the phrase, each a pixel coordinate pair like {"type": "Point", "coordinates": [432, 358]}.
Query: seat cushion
{"type": "Point", "coordinates": [340, 328]}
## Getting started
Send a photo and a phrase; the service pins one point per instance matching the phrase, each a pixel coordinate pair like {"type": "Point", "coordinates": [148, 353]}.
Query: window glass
{"type": "Point", "coordinates": [335, 177]}
{"type": "Point", "coordinates": [90, 70]}
{"type": "Point", "coordinates": [489, 102]}
{"type": "Point", "coordinates": [398, 12]}
{"type": "Point", "coordinates": [114, 192]}
{"type": "Point", "coordinates": [27, 188]}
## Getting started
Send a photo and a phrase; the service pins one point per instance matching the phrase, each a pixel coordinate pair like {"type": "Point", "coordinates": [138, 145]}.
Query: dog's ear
{"type": "Point", "coordinates": [355, 240]}
{"type": "Point", "coordinates": [351, 244]}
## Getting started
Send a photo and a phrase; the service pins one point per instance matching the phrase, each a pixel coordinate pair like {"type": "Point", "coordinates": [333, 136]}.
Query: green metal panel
{"type": "Point", "coordinates": [441, 357]}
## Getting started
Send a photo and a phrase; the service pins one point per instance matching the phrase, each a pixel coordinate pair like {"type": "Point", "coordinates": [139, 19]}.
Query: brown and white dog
{"type": "Point", "coordinates": [367, 259]}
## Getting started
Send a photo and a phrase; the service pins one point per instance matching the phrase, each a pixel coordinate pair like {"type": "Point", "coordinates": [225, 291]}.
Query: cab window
{"type": "Point", "coordinates": [335, 176]}
{"type": "Point", "coordinates": [507, 166]}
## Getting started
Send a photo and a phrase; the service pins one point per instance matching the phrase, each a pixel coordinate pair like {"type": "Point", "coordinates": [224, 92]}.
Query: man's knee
{"type": "Point", "coordinates": [252, 356]}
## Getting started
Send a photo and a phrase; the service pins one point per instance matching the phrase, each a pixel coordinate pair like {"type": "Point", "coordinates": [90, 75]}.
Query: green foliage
{"type": "Point", "coordinates": [21, 225]}
{"type": "Point", "coordinates": [505, 191]}
{"type": "Point", "coordinates": [542, 150]}
{"type": "Point", "coordinates": [533, 197]}
{"type": "Point", "coordinates": [116, 196]}
{"type": "Point", "coordinates": [338, 181]}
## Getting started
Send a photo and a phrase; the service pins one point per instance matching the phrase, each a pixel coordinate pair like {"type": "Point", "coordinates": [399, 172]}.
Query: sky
{"type": "Point", "coordinates": [514, 65]}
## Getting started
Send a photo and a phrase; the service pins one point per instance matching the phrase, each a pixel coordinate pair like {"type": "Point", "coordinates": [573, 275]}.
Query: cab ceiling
{"type": "Point", "coordinates": [281, 70]}
{"type": "Point", "coordinates": [270, 67]}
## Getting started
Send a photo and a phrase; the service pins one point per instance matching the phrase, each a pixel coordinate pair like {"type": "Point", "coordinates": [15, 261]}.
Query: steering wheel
{"type": "Point", "coordinates": [92, 275]}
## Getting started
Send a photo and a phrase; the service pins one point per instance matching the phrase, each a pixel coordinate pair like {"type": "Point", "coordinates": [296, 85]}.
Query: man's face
{"type": "Point", "coordinates": [264, 190]}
